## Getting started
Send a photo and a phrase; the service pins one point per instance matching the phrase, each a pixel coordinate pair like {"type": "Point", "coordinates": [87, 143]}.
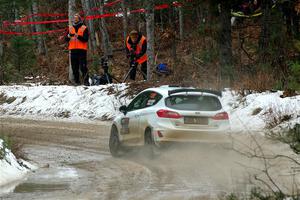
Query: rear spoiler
{"type": "Point", "coordinates": [218, 93]}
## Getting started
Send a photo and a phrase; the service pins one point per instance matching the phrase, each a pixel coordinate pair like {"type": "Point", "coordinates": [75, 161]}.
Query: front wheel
{"type": "Point", "coordinates": [114, 142]}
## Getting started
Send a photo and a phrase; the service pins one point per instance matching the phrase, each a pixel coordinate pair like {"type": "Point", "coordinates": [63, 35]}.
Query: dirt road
{"type": "Point", "coordinates": [74, 163]}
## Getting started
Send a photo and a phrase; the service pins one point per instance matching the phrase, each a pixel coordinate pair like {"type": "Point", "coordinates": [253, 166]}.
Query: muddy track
{"type": "Point", "coordinates": [75, 163]}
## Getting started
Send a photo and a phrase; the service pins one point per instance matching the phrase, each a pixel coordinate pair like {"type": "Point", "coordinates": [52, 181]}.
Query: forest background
{"type": "Point", "coordinates": [253, 45]}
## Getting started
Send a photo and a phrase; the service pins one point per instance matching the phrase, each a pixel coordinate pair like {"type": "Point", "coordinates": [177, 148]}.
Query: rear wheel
{"type": "Point", "coordinates": [114, 142]}
{"type": "Point", "coordinates": [151, 149]}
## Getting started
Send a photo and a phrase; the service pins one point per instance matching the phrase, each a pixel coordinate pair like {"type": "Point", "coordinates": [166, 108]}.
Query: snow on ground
{"type": "Point", "coordinates": [68, 102]}
{"type": "Point", "coordinates": [253, 112]}
{"type": "Point", "coordinates": [258, 111]}
{"type": "Point", "coordinates": [52, 102]}
{"type": "Point", "coordinates": [11, 169]}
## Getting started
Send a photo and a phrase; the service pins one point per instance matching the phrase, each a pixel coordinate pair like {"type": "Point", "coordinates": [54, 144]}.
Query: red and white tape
{"type": "Point", "coordinates": [91, 17]}
{"type": "Point", "coordinates": [66, 14]}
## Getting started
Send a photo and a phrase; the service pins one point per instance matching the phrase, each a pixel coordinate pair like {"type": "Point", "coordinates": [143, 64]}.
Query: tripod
{"type": "Point", "coordinates": [133, 66]}
{"type": "Point", "coordinates": [107, 76]}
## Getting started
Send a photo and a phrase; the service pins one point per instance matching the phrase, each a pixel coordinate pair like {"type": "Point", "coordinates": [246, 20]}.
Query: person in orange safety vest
{"type": "Point", "coordinates": [136, 48]}
{"type": "Point", "coordinates": [78, 36]}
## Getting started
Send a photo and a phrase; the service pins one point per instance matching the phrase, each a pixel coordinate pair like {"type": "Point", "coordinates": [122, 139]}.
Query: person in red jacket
{"type": "Point", "coordinates": [78, 36]}
{"type": "Point", "coordinates": [136, 47]}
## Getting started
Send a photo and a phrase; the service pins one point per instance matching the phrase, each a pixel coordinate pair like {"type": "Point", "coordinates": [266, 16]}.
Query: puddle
{"type": "Point", "coordinates": [8, 188]}
{"type": "Point", "coordinates": [62, 173]}
{"type": "Point", "coordinates": [48, 180]}
{"type": "Point", "coordinates": [35, 187]}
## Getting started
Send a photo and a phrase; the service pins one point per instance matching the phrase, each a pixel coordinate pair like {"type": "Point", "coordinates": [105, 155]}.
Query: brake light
{"type": "Point", "coordinates": [168, 114]}
{"type": "Point", "coordinates": [221, 116]}
{"type": "Point", "coordinates": [159, 134]}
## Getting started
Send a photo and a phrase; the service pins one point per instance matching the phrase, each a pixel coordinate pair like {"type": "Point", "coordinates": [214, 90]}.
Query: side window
{"type": "Point", "coordinates": [153, 98]}
{"type": "Point", "coordinates": [137, 102]}
{"type": "Point", "coordinates": [144, 100]}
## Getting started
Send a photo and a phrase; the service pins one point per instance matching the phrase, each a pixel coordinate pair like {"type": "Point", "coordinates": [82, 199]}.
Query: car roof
{"type": "Point", "coordinates": [165, 89]}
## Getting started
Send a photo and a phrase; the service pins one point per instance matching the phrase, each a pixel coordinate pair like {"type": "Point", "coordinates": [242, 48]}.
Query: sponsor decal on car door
{"type": "Point", "coordinates": [131, 120]}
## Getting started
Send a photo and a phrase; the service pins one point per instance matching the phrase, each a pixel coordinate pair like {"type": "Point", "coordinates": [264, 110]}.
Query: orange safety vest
{"type": "Point", "coordinates": [74, 42]}
{"type": "Point", "coordinates": [139, 47]}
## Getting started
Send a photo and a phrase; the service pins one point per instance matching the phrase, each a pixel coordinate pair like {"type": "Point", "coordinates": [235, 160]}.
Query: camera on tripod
{"type": "Point", "coordinates": [105, 77]}
{"type": "Point", "coordinates": [104, 63]}
{"type": "Point", "coordinates": [132, 58]}
{"type": "Point", "coordinates": [133, 62]}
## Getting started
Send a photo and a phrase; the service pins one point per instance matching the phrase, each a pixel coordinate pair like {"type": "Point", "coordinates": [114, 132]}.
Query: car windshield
{"type": "Point", "coordinates": [193, 102]}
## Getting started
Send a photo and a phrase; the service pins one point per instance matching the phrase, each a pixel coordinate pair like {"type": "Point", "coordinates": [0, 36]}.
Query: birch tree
{"type": "Point", "coordinates": [42, 49]}
{"type": "Point", "coordinates": [125, 19]}
{"type": "Point", "coordinates": [150, 37]}
{"type": "Point", "coordinates": [181, 25]}
{"type": "Point", "coordinates": [72, 7]}
{"type": "Point", "coordinates": [106, 44]}
{"type": "Point", "coordinates": [92, 38]}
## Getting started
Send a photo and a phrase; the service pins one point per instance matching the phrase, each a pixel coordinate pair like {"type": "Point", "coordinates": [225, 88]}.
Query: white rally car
{"type": "Point", "coordinates": [169, 114]}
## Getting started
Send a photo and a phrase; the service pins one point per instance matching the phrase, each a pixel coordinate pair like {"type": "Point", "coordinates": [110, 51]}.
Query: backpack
{"type": "Point", "coordinates": [162, 68]}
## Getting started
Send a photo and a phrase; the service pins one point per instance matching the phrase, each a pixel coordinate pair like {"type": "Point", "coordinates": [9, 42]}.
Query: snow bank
{"type": "Point", "coordinates": [69, 102]}
{"type": "Point", "coordinates": [253, 112]}
{"type": "Point", "coordinates": [258, 111]}
{"type": "Point", "coordinates": [11, 169]}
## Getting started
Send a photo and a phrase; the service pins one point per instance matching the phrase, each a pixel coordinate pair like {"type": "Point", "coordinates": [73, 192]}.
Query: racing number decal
{"type": "Point", "coordinates": [125, 125]}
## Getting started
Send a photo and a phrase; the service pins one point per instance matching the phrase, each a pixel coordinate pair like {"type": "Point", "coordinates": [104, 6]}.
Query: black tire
{"type": "Point", "coordinates": [150, 147]}
{"type": "Point", "coordinates": [114, 142]}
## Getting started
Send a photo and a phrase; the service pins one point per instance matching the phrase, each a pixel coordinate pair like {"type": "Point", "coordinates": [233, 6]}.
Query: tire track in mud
{"type": "Point", "coordinates": [132, 177]}
{"type": "Point", "coordinates": [89, 136]}
{"type": "Point", "coordinates": [105, 179]}
{"type": "Point", "coordinates": [169, 181]}
{"type": "Point", "coordinates": [180, 172]}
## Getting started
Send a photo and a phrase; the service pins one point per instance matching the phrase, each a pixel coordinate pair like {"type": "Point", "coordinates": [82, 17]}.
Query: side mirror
{"type": "Point", "coordinates": [123, 109]}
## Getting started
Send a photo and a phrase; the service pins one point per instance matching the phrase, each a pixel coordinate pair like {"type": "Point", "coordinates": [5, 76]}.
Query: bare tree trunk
{"type": "Point", "coordinates": [161, 17]}
{"type": "Point", "coordinates": [181, 25]}
{"type": "Point", "coordinates": [171, 16]}
{"type": "Point", "coordinates": [95, 3]}
{"type": "Point", "coordinates": [1, 60]}
{"type": "Point", "coordinates": [125, 19]}
{"type": "Point", "coordinates": [106, 44]}
{"type": "Point", "coordinates": [173, 27]}
{"type": "Point", "coordinates": [16, 15]}
{"type": "Point", "coordinates": [150, 38]}
{"type": "Point", "coordinates": [72, 7]}
{"type": "Point", "coordinates": [87, 11]}
{"type": "Point", "coordinates": [31, 20]}
{"type": "Point", "coordinates": [42, 49]}
{"type": "Point", "coordinates": [265, 34]}
{"type": "Point", "coordinates": [198, 13]}
{"type": "Point", "coordinates": [225, 43]}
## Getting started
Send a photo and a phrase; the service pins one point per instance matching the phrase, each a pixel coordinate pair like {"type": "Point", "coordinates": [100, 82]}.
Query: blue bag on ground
{"type": "Point", "coordinates": [162, 68]}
